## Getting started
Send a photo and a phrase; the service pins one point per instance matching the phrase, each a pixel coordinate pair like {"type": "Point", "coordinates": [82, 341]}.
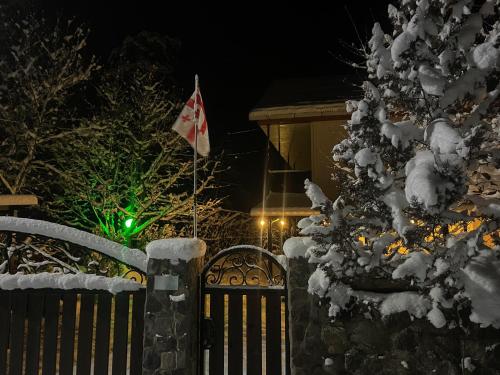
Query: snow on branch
{"type": "Point", "coordinates": [418, 174]}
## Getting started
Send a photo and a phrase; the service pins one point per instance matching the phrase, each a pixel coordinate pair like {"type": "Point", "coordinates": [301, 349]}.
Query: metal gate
{"type": "Point", "coordinates": [244, 315]}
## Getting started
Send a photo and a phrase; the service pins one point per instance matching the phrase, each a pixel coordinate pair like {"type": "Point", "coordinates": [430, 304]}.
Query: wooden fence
{"type": "Point", "coordinates": [82, 332]}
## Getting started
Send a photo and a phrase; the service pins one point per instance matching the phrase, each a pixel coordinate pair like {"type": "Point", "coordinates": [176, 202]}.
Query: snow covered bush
{"type": "Point", "coordinates": [415, 208]}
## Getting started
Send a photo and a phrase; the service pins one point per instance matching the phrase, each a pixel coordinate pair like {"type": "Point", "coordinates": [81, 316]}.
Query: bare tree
{"type": "Point", "coordinates": [95, 144]}
{"type": "Point", "coordinates": [134, 171]}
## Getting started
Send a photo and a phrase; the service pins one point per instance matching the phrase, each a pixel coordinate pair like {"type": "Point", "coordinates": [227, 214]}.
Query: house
{"type": "Point", "coordinates": [302, 119]}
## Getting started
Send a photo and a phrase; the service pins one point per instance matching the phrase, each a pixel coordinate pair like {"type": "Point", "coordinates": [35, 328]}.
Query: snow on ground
{"type": "Point", "coordinates": [132, 257]}
{"type": "Point", "coordinates": [67, 281]}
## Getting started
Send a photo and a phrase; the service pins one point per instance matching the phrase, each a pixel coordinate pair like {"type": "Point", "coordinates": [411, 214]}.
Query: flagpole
{"type": "Point", "coordinates": [195, 158]}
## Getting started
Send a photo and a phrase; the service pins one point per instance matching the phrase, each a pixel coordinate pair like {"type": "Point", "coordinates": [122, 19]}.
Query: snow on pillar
{"type": "Point", "coordinates": [171, 317]}
{"type": "Point", "coordinates": [306, 346]}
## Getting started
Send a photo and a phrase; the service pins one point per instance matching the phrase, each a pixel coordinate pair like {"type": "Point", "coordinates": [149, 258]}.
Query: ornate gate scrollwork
{"type": "Point", "coordinates": [242, 287]}
{"type": "Point", "coordinates": [244, 266]}
{"type": "Point", "coordinates": [32, 253]}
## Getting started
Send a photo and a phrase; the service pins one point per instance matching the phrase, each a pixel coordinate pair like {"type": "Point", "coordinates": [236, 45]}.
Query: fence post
{"type": "Point", "coordinates": [305, 318]}
{"type": "Point", "coordinates": [171, 314]}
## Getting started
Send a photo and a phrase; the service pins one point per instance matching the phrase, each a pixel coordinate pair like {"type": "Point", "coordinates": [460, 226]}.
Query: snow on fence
{"type": "Point", "coordinates": [67, 281]}
{"type": "Point", "coordinates": [132, 257]}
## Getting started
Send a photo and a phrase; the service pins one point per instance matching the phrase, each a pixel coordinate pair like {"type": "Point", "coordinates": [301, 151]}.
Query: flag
{"type": "Point", "coordinates": [185, 123]}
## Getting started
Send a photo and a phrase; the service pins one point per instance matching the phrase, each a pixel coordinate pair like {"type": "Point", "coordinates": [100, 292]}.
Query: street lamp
{"type": "Point", "coordinates": [270, 222]}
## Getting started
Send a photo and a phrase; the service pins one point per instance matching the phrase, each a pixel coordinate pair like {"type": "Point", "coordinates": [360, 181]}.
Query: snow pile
{"type": "Point", "coordinates": [395, 199]}
{"type": "Point", "coordinates": [318, 283]}
{"type": "Point", "coordinates": [401, 133]}
{"type": "Point", "coordinates": [339, 296]}
{"type": "Point", "coordinates": [315, 194]}
{"type": "Point", "coordinates": [424, 185]}
{"type": "Point", "coordinates": [442, 138]}
{"type": "Point", "coordinates": [411, 302]}
{"type": "Point", "coordinates": [132, 257]}
{"type": "Point", "coordinates": [294, 247]}
{"type": "Point", "coordinates": [179, 298]}
{"type": "Point", "coordinates": [283, 261]}
{"type": "Point", "coordinates": [46, 280]}
{"type": "Point", "coordinates": [431, 80]}
{"type": "Point", "coordinates": [436, 317]}
{"type": "Point", "coordinates": [486, 56]}
{"type": "Point", "coordinates": [175, 249]}
{"type": "Point", "coordinates": [380, 63]}
{"type": "Point", "coordinates": [467, 364]}
{"type": "Point", "coordinates": [416, 264]}
{"type": "Point", "coordinates": [482, 285]}
{"type": "Point", "coordinates": [366, 158]}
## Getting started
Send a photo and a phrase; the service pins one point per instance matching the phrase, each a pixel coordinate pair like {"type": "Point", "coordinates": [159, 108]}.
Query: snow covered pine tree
{"type": "Point", "coordinates": [427, 125]}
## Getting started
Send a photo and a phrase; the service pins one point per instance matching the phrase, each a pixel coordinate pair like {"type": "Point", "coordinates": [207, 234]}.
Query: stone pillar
{"type": "Point", "coordinates": [171, 313]}
{"type": "Point", "coordinates": [307, 350]}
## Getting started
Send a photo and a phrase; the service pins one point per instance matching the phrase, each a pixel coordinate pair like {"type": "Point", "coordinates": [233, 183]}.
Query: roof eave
{"type": "Point", "coordinates": [335, 110]}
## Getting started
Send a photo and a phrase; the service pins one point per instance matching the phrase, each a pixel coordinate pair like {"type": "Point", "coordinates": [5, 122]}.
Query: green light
{"type": "Point", "coordinates": [128, 222]}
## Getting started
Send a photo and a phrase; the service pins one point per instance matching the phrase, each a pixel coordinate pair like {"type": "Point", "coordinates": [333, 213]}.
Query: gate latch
{"type": "Point", "coordinates": [208, 331]}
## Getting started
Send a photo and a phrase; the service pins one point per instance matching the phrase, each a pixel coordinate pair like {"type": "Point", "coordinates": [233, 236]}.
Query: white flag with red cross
{"type": "Point", "coordinates": [194, 112]}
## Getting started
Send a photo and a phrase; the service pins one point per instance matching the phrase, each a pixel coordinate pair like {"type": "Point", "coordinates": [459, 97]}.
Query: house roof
{"type": "Point", "coordinates": [301, 98]}
{"type": "Point", "coordinates": [315, 90]}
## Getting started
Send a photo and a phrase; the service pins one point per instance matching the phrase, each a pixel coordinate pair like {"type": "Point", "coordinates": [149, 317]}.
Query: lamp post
{"type": "Point", "coordinates": [270, 221]}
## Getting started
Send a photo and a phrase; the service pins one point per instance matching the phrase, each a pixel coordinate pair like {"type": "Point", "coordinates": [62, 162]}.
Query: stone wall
{"type": "Point", "coordinates": [171, 317]}
{"type": "Point", "coordinates": [307, 351]}
{"type": "Point", "coordinates": [354, 344]}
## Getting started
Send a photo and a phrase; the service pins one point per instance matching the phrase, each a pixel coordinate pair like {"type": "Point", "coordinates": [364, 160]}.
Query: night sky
{"type": "Point", "coordinates": [237, 49]}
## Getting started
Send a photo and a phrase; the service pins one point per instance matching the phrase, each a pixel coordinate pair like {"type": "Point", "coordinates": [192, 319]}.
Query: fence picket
{"type": "Point", "coordinates": [67, 350]}
{"type": "Point", "coordinates": [35, 304]}
{"type": "Point", "coordinates": [120, 334]}
{"type": "Point", "coordinates": [254, 334]}
{"type": "Point", "coordinates": [51, 319]}
{"type": "Point", "coordinates": [4, 328]}
{"type": "Point", "coordinates": [273, 334]}
{"type": "Point", "coordinates": [216, 360]}
{"type": "Point", "coordinates": [103, 324]}
{"type": "Point", "coordinates": [17, 333]}
{"type": "Point", "coordinates": [136, 344]}
{"type": "Point", "coordinates": [235, 336]}
{"type": "Point", "coordinates": [84, 351]}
